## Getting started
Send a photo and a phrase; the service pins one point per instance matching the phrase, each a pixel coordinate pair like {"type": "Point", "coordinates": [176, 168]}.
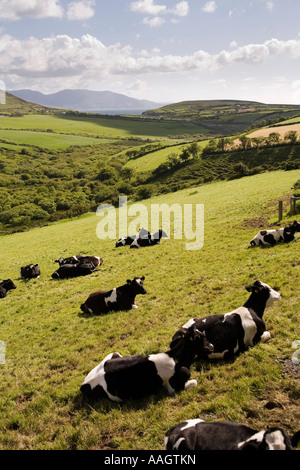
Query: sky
{"type": "Point", "coordinates": [160, 50]}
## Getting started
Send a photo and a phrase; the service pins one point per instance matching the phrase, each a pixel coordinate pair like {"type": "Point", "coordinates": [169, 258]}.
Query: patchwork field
{"type": "Point", "coordinates": [281, 130]}
{"type": "Point", "coordinates": [51, 345]}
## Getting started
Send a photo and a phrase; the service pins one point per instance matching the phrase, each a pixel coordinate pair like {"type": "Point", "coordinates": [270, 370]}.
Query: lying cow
{"type": "Point", "coordinates": [119, 298]}
{"type": "Point", "coordinates": [80, 259]}
{"type": "Point", "coordinates": [234, 332]}
{"type": "Point", "coordinates": [152, 239]}
{"type": "Point", "coordinates": [195, 434]}
{"type": "Point", "coordinates": [66, 271]}
{"type": "Point", "coordinates": [30, 271]}
{"type": "Point", "coordinates": [5, 286]}
{"type": "Point", "coordinates": [143, 233]}
{"type": "Point", "coordinates": [271, 237]}
{"type": "Point", "coordinates": [120, 378]}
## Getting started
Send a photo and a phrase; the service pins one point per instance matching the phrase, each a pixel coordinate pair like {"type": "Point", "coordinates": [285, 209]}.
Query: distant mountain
{"type": "Point", "coordinates": [85, 100]}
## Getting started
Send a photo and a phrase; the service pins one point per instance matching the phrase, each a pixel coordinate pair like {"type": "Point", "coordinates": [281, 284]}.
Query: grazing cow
{"type": "Point", "coordinates": [73, 270]}
{"type": "Point", "coordinates": [5, 286]}
{"type": "Point", "coordinates": [120, 298]}
{"type": "Point", "coordinates": [80, 259]}
{"type": "Point", "coordinates": [143, 233]}
{"type": "Point", "coordinates": [195, 434]}
{"type": "Point", "coordinates": [271, 237]}
{"type": "Point", "coordinates": [120, 378]}
{"type": "Point", "coordinates": [30, 271]}
{"type": "Point", "coordinates": [153, 239]}
{"type": "Point", "coordinates": [234, 332]}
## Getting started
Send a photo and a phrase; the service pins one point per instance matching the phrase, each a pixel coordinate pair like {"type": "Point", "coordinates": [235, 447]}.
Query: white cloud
{"type": "Point", "coordinates": [181, 9]}
{"type": "Point", "coordinates": [210, 7]}
{"type": "Point", "coordinates": [270, 5]}
{"type": "Point", "coordinates": [148, 7]}
{"type": "Point", "coordinates": [154, 22]}
{"type": "Point", "coordinates": [16, 9]}
{"type": "Point", "coordinates": [87, 58]}
{"type": "Point", "coordinates": [81, 10]}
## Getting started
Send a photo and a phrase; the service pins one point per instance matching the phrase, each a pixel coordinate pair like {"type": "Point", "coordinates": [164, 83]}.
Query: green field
{"type": "Point", "coordinates": [51, 345]}
{"type": "Point", "coordinates": [109, 127]}
{"type": "Point", "coordinates": [152, 160]}
{"type": "Point", "coordinates": [48, 140]}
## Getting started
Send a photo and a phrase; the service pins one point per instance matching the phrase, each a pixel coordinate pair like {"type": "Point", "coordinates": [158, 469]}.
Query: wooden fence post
{"type": "Point", "coordinates": [280, 210]}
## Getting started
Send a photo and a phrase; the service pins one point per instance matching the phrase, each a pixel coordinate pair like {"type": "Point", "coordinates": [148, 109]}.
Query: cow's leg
{"type": "Point", "coordinates": [265, 336]}
{"type": "Point", "coordinates": [180, 380]}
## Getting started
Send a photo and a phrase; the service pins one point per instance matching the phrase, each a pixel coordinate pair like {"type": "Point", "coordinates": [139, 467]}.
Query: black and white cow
{"type": "Point", "coordinates": [196, 434]}
{"type": "Point", "coordinates": [119, 298]}
{"type": "Point", "coordinates": [152, 239]}
{"type": "Point", "coordinates": [80, 259]}
{"type": "Point", "coordinates": [5, 286]}
{"type": "Point", "coordinates": [143, 233]}
{"type": "Point", "coordinates": [271, 237]}
{"type": "Point", "coordinates": [66, 271]}
{"type": "Point", "coordinates": [30, 271]}
{"type": "Point", "coordinates": [234, 332]}
{"type": "Point", "coordinates": [120, 378]}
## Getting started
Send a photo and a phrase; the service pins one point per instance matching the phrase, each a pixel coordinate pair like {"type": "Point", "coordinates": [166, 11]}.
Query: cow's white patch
{"type": "Point", "coordinates": [191, 423]}
{"type": "Point", "coordinates": [275, 440]}
{"type": "Point", "coordinates": [265, 336]}
{"type": "Point", "coordinates": [97, 377]}
{"type": "Point", "coordinates": [248, 324]}
{"type": "Point", "coordinates": [189, 323]}
{"type": "Point", "coordinates": [190, 384]}
{"type": "Point", "coordinates": [165, 366]}
{"type": "Point", "coordinates": [273, 296]}
{"type": "Point", "coordinates": [112, 298]}
{"type": "Point", "coordinates": [258, 437]}
{"type": "Point", "coordinates": [178, 442]}
{"type": "Point", "coordinates": [134, 306]}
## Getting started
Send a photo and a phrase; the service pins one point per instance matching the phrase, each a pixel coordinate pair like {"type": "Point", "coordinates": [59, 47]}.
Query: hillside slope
{"type": "Point", "coordinates": [225, 117]}
{"type": "Point", "coordinates": [51, 345]}
{"type": "Point", "coordinates": [16, 106]}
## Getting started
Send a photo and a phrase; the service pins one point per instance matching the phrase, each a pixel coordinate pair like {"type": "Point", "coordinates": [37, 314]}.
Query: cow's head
{"type": "Point", "coordinates": [264, 292]}
{"type": "Point", "coordinates": [296, 226]}
{"type": "Point", "coordinates": [8, 284]}
{"type": "Point", "coordinates": [137, 285]}
{"type": "Point", "coordinates": [202, 346]}
{"type": "Point", "coordinates": [32, 270]}
{"type": "Point", "coordinates": [271, 439]}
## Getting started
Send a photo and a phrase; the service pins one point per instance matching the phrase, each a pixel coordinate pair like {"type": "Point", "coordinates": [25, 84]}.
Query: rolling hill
{"type": "Point", "coordinates": [225, 117]}
{"type": "Point", "coordinates": [85, 100]}
{"type": "Point", "coordinates": [17, 106]}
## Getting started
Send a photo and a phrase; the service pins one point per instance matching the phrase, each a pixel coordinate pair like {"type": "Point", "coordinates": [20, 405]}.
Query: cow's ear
{"type": "Point", "coordinates": [128, 281]}
{"type": "Point", "coordinates": [142, 278]}
{"type": "Point", "coordinates": [254, 289]}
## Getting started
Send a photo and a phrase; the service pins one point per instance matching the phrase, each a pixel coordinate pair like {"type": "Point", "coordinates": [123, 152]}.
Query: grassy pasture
{"type": "Point", "coordinates": [51, 345]}
{"type": "Point", "coordinates": [112, 127]}
{"type": "Point", "coordinates": [152, 160]}
{"type": "Point", "coordinates": [51, 141]}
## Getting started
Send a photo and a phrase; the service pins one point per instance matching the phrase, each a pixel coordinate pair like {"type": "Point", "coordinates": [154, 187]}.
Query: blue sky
{"type": "Point", "coordinates": [161, 50]}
